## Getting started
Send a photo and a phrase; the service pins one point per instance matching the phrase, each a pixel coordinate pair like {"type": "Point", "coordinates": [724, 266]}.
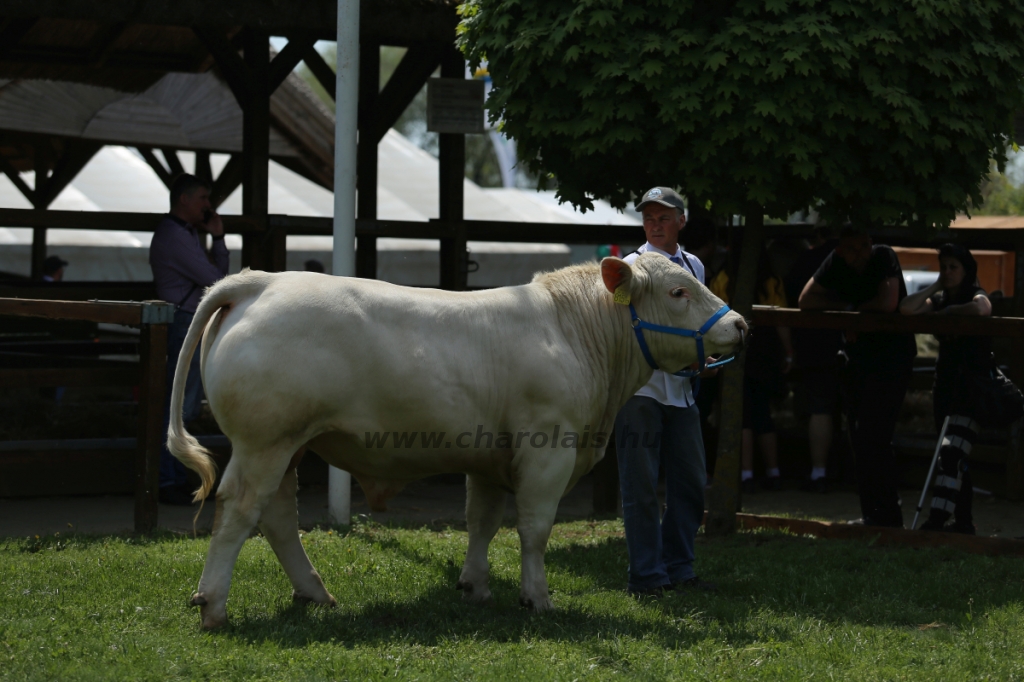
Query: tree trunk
{"type": "Point", "coordinates": [724, 495]}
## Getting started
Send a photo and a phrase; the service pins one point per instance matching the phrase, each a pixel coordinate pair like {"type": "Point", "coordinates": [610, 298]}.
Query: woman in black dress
{"type": "Point", "coordinates": [956, 292]}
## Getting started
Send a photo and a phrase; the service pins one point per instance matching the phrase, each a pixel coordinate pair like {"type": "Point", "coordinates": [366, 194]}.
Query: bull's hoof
{"type": "Point", "coordinates": [197, 600]}
{"type": "Point", "coordinates": [211, 620]}
{"type": "Point", "coordinates": [536, 605]}
{"type": "Point", "coordinates": [471, 594]}
{"type": "Point", "coordinates": [329, 600]}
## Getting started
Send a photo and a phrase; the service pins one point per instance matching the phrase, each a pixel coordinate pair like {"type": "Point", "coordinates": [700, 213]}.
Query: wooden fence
{"type": "Point", "coordinates": [153, 319]}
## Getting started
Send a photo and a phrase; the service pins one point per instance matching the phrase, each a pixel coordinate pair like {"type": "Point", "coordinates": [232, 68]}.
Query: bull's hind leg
{"type": "Point", "coordinates": [280, 525]}
{"type": "Point", "coordinates": [541, 479]}
{"type": "Point", "coordinates": [485, 507]}
{"type": "Point", "coordinates": [248, 485]}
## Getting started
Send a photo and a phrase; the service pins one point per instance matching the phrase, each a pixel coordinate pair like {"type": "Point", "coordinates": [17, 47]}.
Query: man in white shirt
{"type": "Point", "coordinates": [660, 427]}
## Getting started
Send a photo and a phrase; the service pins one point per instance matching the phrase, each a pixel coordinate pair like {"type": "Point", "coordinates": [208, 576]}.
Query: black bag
{"type": "Point", "coordinates": [995, 402]}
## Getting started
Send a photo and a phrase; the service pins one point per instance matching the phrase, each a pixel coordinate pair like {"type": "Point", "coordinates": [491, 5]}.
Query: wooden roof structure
{"type": "Point", "coordinates": [200, 75]}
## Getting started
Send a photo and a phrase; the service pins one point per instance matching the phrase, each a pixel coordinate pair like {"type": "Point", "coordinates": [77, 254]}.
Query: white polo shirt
{"type": "Point", "coordinates": [666, 388]}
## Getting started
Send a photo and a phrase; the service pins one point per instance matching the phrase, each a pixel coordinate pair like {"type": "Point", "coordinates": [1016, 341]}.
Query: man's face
{"type": "Point", "coordinates": [193, 206]}
{"type": "Point", "coordinates": [662, 225]}
{"type": "Point", "coordinates": [855, 250]}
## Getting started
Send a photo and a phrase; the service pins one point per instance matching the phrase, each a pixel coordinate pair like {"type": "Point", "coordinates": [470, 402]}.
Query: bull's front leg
{"type": "Point", "coordinates": [541, 479]}
{"type": "Point", "coordinates": [485, 507]}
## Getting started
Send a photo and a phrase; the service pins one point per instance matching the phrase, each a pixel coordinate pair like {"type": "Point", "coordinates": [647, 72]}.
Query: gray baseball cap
{"type": "Point", "coordinates": [661, 195]}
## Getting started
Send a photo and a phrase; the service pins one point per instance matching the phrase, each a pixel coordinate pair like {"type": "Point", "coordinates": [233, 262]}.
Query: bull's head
{"type": "Point", "coordinates": [666, 295]}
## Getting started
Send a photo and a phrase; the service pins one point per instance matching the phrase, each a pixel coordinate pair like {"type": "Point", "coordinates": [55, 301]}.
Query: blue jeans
{"type": "Point", "coordinates": [172, 472]}
{"type": "Point", "coordinates": [649, 436]}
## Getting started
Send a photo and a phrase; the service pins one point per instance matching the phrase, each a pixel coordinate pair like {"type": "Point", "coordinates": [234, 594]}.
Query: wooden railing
{"type": "Point", "coordinates": [153, 319]}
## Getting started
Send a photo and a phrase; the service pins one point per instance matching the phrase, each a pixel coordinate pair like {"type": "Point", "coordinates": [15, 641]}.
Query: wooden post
{"type": "Point", "coordinates": [366, 157]}
{"type": "Point", "coordinates": [262, 250]}
{"type": "Point", "coordinates": [452, 171]}
{"type": "Point", "coordinates": [1015, 453]}
{"type": "Point", "coordinates": [152, 389]}
{"type": "Point", "coordinates": [724, 495]}
{"type": "Point", "coordinates": [38, 252]}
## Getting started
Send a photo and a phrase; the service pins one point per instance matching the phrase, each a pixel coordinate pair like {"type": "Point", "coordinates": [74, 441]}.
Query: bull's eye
{"type": "Point", "coordinates": [678, 292]}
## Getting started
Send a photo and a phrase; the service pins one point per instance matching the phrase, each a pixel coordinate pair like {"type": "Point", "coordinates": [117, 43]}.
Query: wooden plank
{"type": "Point", "coordinates": [80, 291]}
{"type": "Point", "coordinates": [893, 537]}
{"type": "Point", "coordinates": [152, 391]}
{"type": "Point", "coordinates": [891, 323]}
{"type": "Point", "coordinates": [234, 68]}
{"type": "Point", "coordinates": [288, 58]}
{"type": "Point", "coordinates": [69, 376]}
{"type": "Point", "coordinates": [114, 313]}
{"type": "Point", "coordinates": [322, 71]}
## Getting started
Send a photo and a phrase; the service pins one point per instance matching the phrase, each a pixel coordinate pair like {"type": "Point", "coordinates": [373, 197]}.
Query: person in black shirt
{"type": "Point", "coordinates": [956, 292]}
{"type": "Point", "coordinates": [864, 277]}
{"type": "Point", "coordinates": [815, 356]}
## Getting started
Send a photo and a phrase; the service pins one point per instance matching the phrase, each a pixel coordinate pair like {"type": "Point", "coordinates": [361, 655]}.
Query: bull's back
{"type": "Point", "coordinates": [355, 356]}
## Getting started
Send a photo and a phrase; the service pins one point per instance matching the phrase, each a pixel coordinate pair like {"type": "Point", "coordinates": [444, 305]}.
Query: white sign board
{"type": "Point", "coordinates": [455, 105]}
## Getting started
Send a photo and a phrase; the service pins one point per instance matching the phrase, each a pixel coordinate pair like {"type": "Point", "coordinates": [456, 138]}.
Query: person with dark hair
{"type": "Point", "coordinates": [816, 358]}
{"type": "Point", "coordinates": [866, 277]}
{"type": "Point", "coordinates": [956, 292]}
{"type": "Point", "coordinates": [53, 269]}
{"type": "Point", "coordinates": [182, 270]}
{"type": "Point", "coordinates": [313, 265]}
{"type": "Point", "coordinates": [769, 358]}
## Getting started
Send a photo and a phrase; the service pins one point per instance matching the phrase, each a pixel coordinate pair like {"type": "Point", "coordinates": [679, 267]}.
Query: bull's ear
{"type": "Point", "coordinates": [618, 278]}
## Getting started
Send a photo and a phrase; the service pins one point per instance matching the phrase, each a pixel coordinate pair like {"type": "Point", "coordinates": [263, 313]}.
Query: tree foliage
{"type": "Point", "coordinates": [877, 110]}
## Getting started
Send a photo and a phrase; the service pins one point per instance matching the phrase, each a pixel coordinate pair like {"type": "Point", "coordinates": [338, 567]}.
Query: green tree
{"type": "Point", "coordinates": [877, 110]}
{"type": "Point", "coordinates": [1001, 196]}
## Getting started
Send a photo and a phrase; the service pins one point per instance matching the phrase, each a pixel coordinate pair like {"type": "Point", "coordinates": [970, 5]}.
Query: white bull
{"type": "Point", "coordinates": [291, 360]}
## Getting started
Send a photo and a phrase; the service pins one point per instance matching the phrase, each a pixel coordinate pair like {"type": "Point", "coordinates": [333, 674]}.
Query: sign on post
{"type": "Point", "coordinates": [455, 105]}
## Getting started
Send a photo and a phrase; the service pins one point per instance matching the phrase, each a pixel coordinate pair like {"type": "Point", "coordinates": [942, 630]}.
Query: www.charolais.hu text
{"type": "Point", "coordinates": [481, 439]}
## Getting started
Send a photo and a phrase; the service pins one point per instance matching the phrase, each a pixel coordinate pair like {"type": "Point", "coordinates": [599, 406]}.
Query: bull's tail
{"type": "Point", "coordinates": [180, 442]}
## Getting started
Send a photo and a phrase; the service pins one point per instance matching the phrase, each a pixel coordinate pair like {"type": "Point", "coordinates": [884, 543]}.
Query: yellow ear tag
{"type": "Point", "coordinates": [622, 295]}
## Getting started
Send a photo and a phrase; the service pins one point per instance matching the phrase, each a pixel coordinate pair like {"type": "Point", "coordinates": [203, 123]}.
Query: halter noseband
{"type": "Point", "coordinates": [698, 335]}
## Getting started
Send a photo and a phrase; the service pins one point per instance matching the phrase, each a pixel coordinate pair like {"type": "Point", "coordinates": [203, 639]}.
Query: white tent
{"type": "Point", "coordinates": [118, 179]}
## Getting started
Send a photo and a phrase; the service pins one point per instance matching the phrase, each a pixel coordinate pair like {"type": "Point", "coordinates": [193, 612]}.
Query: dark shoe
{"type": "Point", "coordinates": [934, 525]}
{"type": "Point", "coordinates": [748, 487]}
{"type": "Point", "coordinates": [773, 483]}
{"type": "Point", "coordinates": [650, 593]}
{"type": "Point", "coordinates": [817, 485]}
{"type": "Point", "coordinates": [175, 495]}
{"type": "Point", "coordinates": [694, 583]}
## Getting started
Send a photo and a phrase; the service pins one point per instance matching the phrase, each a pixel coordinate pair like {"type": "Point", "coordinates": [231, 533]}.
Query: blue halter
{"type": "Point", "coordinates": [698, 335]}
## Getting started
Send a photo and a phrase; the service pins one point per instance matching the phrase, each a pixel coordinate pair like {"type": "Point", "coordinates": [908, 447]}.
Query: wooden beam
{"type": "Point", "coordinates": [323, 73]}
{"type": "Point", "coordinates": [76, 155]}
{"type": "Point", "coordinates": [452, 177]}
{"type": "Point", "coordinates": [409, 77]}
{"type": "Point", "coordinates": [203, 169]}
{"type": "Point", "coordinates": [103, 42]}
{"type": "Point", "coordinates": [232, 66]}
{"type": "Point", "coordinates": [13, 31]}
{"type": "Point", "coordinates": [265, 251]}
{"type": "Point", "coordinates": [288, 58]}
{"type": "Point", "coordinates": [381, 22]}
{"type": "Point", "coordinates": [228, 181]}
{"type": "Point", "coordinates": [38, 377]}
{"type": "Point", "coordinates": [15, 177]}
{"type": "Point", "coordinates": [890, 323]}
{"type": "Point", "coordinates": [366, 160]}
{"type": "Point", "coordinates": [156, 165]}
{"type": "Point", "coordinates": [92, 311]}
{"type": "Point", "coordinates": [173, 162]}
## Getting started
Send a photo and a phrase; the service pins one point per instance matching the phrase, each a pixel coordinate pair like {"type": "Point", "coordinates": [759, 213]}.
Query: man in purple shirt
{"type": "Point", "coordinates": [182, 270]}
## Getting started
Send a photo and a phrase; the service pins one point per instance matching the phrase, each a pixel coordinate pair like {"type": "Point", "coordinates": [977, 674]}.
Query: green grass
{"type": "Point", "coordinates": [787, 608]}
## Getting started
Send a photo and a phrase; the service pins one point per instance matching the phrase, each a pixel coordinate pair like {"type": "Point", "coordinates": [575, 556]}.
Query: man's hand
{"type": "Point", "coordinates": [213, 224]}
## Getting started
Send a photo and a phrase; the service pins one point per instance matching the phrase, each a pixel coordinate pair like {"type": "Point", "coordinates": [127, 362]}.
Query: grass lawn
{"type": "Point", "coordinates": [787, 608]}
